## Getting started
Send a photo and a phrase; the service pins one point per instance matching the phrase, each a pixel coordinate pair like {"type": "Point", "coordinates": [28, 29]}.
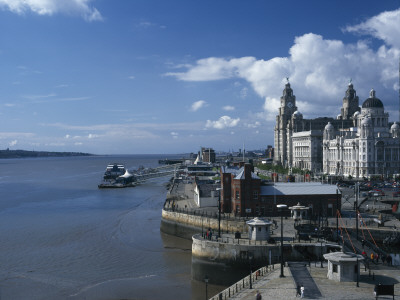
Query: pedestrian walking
{"type": "Point", "coordinates": [298, 293]}
{"type": "Point", "coordinates": [302, 291]}
{"type": "Point", "coordinates": [258, 296]}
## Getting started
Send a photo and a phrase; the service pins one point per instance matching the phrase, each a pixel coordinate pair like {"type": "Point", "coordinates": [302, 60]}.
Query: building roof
{"type": "Point", "coordinates": [240, 174]}
{"type": "Point", "coordinates": [372, 101]}
{"type": "Point", "coordinates": [298, 188]}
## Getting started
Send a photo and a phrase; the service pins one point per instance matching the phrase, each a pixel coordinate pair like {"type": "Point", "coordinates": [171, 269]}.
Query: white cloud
{"type": "Point", "coordinates": [13, 143]}
{"type": "Point", "coordinates": [174, 135]}
{"type": "Point", "coordinates": [385, 26]}
{"type": "Point", "coordinates": [243, 92]}
{"type": "Point", "coordinates": [318, 69]}
{"type": "Point", "coordinates": [223, 122]}
{"type": "Point", "coordinates": [197, 105]}
{"type": "Point", "coordinates": [51, 7]}
{"type": "Point", "coordinates": [131, 77]}
{"type": "Point", "coordinates": [253, 125]}
{"type": "Point", "coordinates": [228, 108]}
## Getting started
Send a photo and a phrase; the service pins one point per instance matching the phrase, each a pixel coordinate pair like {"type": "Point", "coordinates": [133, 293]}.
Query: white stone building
{"type": "Point", "coordinates": [359, 142]}
{"type": "Point", "coordinates": [369, 148]}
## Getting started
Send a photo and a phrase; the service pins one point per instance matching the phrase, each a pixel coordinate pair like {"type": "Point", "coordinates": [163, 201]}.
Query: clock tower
{"type": "Point", "coordinates": [286, 110]}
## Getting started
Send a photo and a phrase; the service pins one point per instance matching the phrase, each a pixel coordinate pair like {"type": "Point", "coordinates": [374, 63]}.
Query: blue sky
{"type": "Point", "coordinates": [130, 77]}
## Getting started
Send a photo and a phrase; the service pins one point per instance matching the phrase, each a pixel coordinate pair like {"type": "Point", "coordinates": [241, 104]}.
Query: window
{"type": "Point", "coordinates": [237, 195]}
{"type": "Point", "coordinates": [334, 268]}
{"type": "Point", "coordinates": [255, 195]}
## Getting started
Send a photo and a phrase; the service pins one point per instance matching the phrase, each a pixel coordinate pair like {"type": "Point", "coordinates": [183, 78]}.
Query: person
{"type": "Point", "coordinates": [298, 290]}
{"type": "Point", "coordinates": [258, 296]}
{"type": "Point", "coordinates": [302, 291]}
{"type": "Point", "coordinates": [372, 256]}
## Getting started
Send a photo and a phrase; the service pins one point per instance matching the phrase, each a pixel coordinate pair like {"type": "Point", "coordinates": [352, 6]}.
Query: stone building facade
{"type": "Point", "coordinates": [359, 142]}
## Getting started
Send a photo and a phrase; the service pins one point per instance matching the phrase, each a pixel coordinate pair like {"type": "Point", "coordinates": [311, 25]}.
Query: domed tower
{"type": "Point", "coordinates": [374, 108]}
{"type": "Point", "coordinates": [366, 130]}
{"type": "Point", "coordinates": [355, 119]}
{"type": "Point", "coordinates": [350, 103]}
{"type": "Point", "coordinates": [395, 130]}
{"type": "Point", "coordinates": [297, 120]}
{"type": "Point", "coordinates": [329, 132]}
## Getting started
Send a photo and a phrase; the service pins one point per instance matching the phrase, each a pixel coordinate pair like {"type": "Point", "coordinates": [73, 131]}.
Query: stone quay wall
{"type": "Point", "coordinates": [185, 225]}
{"type": "Point", "coordinates": [229, 259]}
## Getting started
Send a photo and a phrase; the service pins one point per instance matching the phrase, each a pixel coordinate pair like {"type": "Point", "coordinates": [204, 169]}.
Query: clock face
{"type": "Point", "coordinates": [289, 104]}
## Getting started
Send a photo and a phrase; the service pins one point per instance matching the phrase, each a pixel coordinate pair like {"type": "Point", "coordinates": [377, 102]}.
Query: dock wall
{"type": "Point", "coordinates": [228, 259]}
{"type": "Point", "coordinates": [185, 225]}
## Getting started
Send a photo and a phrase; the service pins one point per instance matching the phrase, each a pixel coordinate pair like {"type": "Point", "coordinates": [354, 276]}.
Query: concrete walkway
{"type": "Point", "coordinates": [274, 287]}
{"type": "Point", "coordinates": [301, 276]}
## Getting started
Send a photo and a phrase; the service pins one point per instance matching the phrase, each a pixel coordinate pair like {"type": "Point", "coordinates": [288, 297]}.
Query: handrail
{"type": "Point", "coordinates": [244, 283]}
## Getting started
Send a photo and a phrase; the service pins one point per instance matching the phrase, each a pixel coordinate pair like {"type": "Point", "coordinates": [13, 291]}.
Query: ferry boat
{"type": "Point", "coordinates": [113, 171]}
{"type": "Point", "coordinates": [116, 176]}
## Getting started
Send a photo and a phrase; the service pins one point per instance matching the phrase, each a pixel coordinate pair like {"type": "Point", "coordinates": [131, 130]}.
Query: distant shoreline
{"type": "Point", "coordinates": [25, 153]}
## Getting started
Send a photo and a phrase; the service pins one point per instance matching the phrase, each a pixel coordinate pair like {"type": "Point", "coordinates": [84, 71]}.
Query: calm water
{"type": "Point", "coordinates": [63, 238]}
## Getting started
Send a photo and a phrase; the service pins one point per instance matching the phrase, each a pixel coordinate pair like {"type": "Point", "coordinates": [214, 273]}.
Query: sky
{"type": "Point", "coordinates": [156, 76]}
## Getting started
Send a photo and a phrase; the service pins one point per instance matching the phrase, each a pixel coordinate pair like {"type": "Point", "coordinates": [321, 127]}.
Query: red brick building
{"type": "Point", "coordinates": [243, 195]}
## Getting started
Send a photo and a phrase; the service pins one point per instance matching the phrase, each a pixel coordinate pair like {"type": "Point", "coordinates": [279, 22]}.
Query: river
{"type": "Point", "coordinates": [63, 238]}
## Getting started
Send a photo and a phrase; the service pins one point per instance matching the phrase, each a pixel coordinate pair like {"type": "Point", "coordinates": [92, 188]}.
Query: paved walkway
{"type": "Point", "coordinates": [272, 286]}
{"type": "Point", "coordinates": [302, 277]}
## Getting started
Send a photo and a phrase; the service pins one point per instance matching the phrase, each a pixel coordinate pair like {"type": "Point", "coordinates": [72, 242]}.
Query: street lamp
{"type": "Point", "coordinates": [206, 281]}
{"type": "Point", "coordinates": [281, 207]}
{"type": "Point", "coordinates": [250, 258]}
{"type": "Point", "coordinates": [219, 211]}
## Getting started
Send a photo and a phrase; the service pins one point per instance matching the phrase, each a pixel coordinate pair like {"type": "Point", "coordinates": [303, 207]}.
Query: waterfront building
{"type": "Point", "coordinates": [369, 148]}
{"type": "Point", "coordinates": [208, 155]}
{"type": "Point", "coordinates": [359, 142]}
{"type": "Point", "coordinates": [243, 195]}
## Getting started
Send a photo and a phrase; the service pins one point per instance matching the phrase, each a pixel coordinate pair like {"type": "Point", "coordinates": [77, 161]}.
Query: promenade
{"type": "Point", "coordinates": [272, 286]}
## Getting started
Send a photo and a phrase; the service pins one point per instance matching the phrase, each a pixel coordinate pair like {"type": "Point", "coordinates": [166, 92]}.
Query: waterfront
{"type": "Point", "coordinates": [63, 238]}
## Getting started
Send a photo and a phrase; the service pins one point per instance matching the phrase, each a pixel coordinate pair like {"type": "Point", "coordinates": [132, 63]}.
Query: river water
{"type": "Point", "coordinates": [63, 238]}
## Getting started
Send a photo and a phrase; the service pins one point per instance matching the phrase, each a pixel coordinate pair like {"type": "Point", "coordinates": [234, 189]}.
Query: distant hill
{"type": "Point", "coordinates": [24, 153]}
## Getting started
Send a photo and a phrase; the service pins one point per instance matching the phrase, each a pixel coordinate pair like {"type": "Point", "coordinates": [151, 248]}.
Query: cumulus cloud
{"type": "Point", "coordinates": [223, 122]}
{"type": "Point", "coordinates": [385, 26]}
{"type": "Point", "coordinates": [51, 7]}
{"type": "Point", "coordinates": [318, 68]}
{"type": "Point", "coordinates": [197, 105]}
{"type": "Point", "coordinates": [13, 143]}
{"type": "Point", "coordinates": [174, 135]}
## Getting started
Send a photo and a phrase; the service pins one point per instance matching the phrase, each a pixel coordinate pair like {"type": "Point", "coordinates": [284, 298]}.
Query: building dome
{"type": "Point", "coordinates": [395, 126]}
{"type": "Point", "coordinates": [355, 115]}
{"type": "Point", "coordinates": [366, 121]}
{"type": "Point", "coordinates": [297, 114]}
{"type": "Point", "coordinates": [372, 101]}
{"type": "Point", "coordinates": [329, 126]}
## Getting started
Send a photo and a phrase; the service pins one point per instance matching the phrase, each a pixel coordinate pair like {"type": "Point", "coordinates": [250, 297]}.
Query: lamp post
{"type": "Point", "coordinates": [250, 258]}
{"type": "Point", "coordinates": [206, 281]}
{"type": "Point", "coordinates": [281, 207]}
{"type": "Point", "coordinates": [358, 272]}
{"type": "Point", "coordinates": [219, 211]}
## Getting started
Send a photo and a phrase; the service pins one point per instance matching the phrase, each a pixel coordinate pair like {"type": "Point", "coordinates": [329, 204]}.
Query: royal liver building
{"type": "Point", "coordinates": [359, 142]}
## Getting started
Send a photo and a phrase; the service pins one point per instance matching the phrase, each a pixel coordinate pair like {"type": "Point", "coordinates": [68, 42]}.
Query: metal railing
{"type": "Point", "coordinates": [244, 283]}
